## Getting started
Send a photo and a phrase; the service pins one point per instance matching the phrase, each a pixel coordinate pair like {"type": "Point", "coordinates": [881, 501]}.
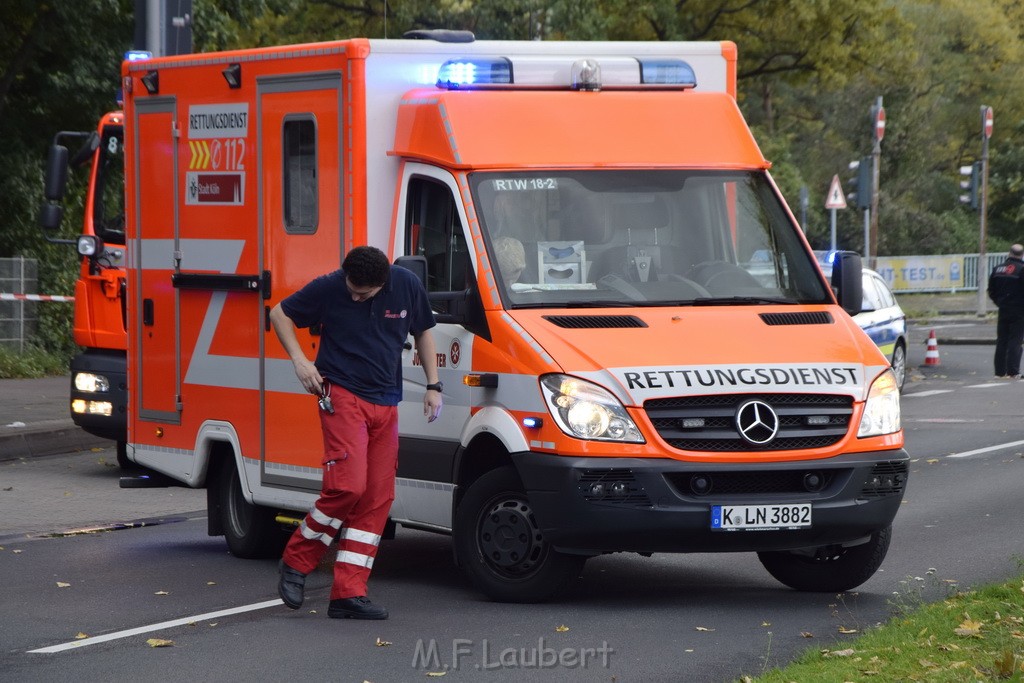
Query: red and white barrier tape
{"type": "Point", "coordinates": [34, 297]}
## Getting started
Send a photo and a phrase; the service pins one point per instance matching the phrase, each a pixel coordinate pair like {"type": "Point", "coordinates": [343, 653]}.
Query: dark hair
{"type": "Point", "coordinates": [366, 267]}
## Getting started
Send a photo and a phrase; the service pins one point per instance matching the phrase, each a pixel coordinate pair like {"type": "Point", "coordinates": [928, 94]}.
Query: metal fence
{"type": "Point", "coordinates": [19, 319]}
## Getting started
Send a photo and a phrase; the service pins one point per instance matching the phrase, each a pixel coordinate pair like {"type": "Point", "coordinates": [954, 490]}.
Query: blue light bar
{"type": "Point", "coordinates": [137, 55]}
{"type": "Point", "coordinates": [533, 422]}
{"type": "Point", "coordinates": [474, 73]}
{"type": "Point", "coordinates": [667, 72]}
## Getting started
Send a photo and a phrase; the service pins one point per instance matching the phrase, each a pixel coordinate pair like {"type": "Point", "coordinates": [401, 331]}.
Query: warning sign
{"type": "Point", "coordinates": [836, 199]}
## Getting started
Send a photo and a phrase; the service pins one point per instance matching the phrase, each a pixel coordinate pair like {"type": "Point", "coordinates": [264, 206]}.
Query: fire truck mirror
{"type": "Point", "coordinates": [56, 172]}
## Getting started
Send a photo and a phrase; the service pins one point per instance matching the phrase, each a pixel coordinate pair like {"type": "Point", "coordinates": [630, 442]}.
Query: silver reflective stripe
{"type": "Point", "coordinates": [315, 535]}
{"type": "Point", "coordinates": [320, 517]}
{"type": "Point", "coordinates": [361, 536]}
{"type": "Point", "coordinates": [357, 559]}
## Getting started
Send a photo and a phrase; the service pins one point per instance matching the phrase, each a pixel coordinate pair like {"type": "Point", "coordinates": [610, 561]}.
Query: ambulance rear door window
{"type": "Point", "coordinates": [301, 200]}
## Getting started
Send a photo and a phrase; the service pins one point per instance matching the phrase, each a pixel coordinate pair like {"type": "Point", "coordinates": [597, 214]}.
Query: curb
{"type": "Point", "coordinates": [49, 437]}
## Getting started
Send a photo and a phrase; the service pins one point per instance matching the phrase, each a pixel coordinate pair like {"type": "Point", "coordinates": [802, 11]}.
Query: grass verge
{"type": "Point", "coordinates": [971, 636]}
{"type": "Point", "coordinates": [31, 363]}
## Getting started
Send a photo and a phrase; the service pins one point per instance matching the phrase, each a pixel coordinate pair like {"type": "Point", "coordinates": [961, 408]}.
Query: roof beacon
{"type": "Point", "coordinates": [481, 72]}
{"type": "Point", "coordinates": [586, 75]}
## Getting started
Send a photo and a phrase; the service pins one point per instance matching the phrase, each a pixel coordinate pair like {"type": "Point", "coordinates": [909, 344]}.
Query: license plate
{"type": "Point", "coordinates": [760, 517]}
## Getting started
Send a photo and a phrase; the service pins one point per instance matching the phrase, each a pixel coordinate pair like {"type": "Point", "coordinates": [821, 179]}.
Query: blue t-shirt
{"type": "Point", "coordinates": [361, 342]}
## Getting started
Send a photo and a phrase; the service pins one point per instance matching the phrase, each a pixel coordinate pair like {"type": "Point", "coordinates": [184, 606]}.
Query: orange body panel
{"type": "Point", "coordinates": [675, 129]}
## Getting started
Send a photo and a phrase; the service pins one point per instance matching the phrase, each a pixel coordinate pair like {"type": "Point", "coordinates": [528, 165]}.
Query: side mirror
{"type": "Point", "coordinates": [49, 216]}
{"type": "Point", "coordinates": [846, 281]}
{"type": "Point", "coordinates": [56, 173]}
{"type": "Point", "coordinates": [416, 264]}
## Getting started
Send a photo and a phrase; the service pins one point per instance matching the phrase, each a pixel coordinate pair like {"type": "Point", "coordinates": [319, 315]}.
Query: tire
{"type": "Point", "coordinates": [828, 569]}
{"type": "Point", "coordinates": [899, 364]}
{"type": "Point", "coordinates": [500, 546]}
{"type": "Point", "coordinates": [250, 530]}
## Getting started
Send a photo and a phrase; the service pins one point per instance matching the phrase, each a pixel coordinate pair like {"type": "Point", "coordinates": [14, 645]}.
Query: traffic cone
{"type": "Point", "coordinates": [931, 356]}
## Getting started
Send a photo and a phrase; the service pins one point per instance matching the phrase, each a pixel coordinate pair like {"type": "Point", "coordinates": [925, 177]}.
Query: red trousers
{"type": "Point", "coordinates": [360, 460]}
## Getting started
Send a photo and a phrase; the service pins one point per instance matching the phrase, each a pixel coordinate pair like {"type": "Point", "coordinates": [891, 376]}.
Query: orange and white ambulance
{"type": "Point", "coordinates": [638, 349]}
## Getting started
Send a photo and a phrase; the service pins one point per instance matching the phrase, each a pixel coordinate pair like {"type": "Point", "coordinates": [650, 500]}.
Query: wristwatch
{"type": "Point", "coordinates": [436, 386]}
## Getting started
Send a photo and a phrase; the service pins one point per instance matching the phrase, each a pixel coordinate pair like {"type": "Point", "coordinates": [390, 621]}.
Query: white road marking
{"type": "Point", "coordinates": [986, 385]}
{"type": "Point", "coordinates": [156, 627]}
{"type": "Point", "coordinates": [933, 392]}
{"type": "Point", "coordinates": [987, 449]}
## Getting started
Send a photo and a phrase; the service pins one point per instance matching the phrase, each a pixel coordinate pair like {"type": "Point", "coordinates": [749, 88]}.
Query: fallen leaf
{"type": "Point", "coordinates": [211, 583]}
{"type": "Point", "coordinates": [766, 623]}
{"type": "Point", "coordinates": [843, 629]}
{"type": "Point", "coordinates": [80, 635]}
{"type": "Point", "coordinates": [805, 634]}
{"type": "Point", "coordinates": [704, 628]}
{"type": "Point", "coordinates": [927, 664]}
{"type": "Point", "coordinates": [437, 674]}
{"type": "Point", "coordinates": [16, 552]}
{"type": "Point", "coordinates": [562, 629]}
{"type": "Point", "coordinates": [63, 584]}
{"type": "Point", "coordinates": [969, 629]}
{"type": "Point", "coordinates": [383, 643]}
{"type": "Point", "coordinates": [161, 593]}
{"type": "Point", "coordinates": [839, 653]}
{"type": "Point", "coordinates": [213, 623]}
{"type": "Point", "coordinates": [932, 461]}
{"type": "Point", "coordinates": [159, 642]}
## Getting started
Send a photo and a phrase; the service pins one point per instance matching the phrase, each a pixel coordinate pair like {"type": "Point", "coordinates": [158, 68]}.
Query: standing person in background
{"type": "Point", "coordinates": [1006, 290]}
{"type": "Point", "coordinates": [366, 311]}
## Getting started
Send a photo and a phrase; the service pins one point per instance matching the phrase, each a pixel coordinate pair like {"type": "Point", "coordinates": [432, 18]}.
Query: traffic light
{"type": "Point", "coordinates": [861, 183]}
{"type": "Point", "coordinates": [971, 182]}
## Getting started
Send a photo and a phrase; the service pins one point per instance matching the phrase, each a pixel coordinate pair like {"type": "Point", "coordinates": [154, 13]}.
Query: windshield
{"type": "Point", "coordinates": [625, 238]}
{"type": "Point", "coordinates": [108, 200]}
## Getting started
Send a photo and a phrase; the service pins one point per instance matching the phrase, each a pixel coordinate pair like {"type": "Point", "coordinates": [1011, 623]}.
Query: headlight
{"type": "Point", "coordinates": [586, 411]}
{"type": "Point", "coordinates": [91, 383]}
{"type": "Point", "coordinates": [882, 410]}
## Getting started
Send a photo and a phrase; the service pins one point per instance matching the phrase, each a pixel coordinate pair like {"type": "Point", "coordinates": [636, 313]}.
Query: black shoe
{"type": "Point", "coordinates": [356, 608]}
{"type": "Point", "coordinates": [291, 586]}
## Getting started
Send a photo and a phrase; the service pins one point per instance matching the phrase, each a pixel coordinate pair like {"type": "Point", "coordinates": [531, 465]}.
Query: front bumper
{"type": "Point", "coordinates": [596, 505]}
{"type": "Point", "coordinates": [114, 366]}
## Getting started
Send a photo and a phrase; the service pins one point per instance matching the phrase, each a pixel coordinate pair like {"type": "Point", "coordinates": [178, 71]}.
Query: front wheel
{"type": "Point", "coordinates": [250, 530]}
{"type": "Point", "coordinates": [828, 569]}
{"type": "Point", "coordinates": [899, 364]}
{"type": "Point", "coordinates": [499, 543]}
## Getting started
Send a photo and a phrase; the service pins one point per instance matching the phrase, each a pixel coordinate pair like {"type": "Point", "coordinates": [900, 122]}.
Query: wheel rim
{"type": "Point", "coordinates": [899, 364]}
{"type": "Point", "coordinates": [509, 539]}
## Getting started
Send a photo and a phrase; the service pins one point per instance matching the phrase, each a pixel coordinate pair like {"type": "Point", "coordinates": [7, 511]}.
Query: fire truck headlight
{"type": "Point", "coordinates": [91, 383]}
{"type": "Point", "coordinates": [584, 410]}
{"type": "Point", "coordinates": [882, 409]}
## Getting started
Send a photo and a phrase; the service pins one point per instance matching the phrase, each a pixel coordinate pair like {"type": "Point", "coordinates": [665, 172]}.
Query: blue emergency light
{"type": "Point", "coordinates": [667, 72]}
{"type": "Point", "coordinates": [137, 55]}
{"type": "Point", "coordinates": [477, 72]}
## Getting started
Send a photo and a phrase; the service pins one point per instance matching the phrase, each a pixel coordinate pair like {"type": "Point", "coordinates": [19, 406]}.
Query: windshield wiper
{"type": "Point", "coordinates": [740, 301]}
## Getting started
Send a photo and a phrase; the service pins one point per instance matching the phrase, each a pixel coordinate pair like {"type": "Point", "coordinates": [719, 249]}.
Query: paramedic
{"type": "Point", "coordinates": [366, 311]}
{"type": "Point", "coordinates": [1006, 289]}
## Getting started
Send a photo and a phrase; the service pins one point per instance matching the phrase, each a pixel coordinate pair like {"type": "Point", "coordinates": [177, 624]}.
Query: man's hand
{"type": "Point", "coordinates": [432, 404]}
{"type": "Point", "coordinates": [309, 376]}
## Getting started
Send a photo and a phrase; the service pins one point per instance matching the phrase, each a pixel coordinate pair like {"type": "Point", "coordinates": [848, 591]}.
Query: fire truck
{"type": "Point", "coordinates": [638, 349]}
{"type": "Point", "coordinates": [98, 397]}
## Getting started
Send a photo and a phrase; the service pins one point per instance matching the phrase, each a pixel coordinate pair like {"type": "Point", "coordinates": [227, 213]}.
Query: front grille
{"type": "Point", "coordinates": [615, 485]}
{"type": "Point", "coordinates": [708, 423]}
{"type": "Point", "coordinates": [754, 483]}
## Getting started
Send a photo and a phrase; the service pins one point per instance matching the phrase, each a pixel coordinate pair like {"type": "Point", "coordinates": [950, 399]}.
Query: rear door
{"type": "Point", "coordinates": [300, 211]}
{"type": "Point", "coordinates": [156, 325]}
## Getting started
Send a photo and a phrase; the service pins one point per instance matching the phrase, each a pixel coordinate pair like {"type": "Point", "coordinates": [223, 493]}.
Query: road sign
{"type": "Point", "coordinates": [836, 199]}
{"type": "Point", "coordinates": [880, 123]}
{"type": "Point", "coordinates": [986, 117]}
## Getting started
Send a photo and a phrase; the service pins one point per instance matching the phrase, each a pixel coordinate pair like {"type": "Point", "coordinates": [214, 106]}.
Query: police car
{"type": "Point", "coordinates": [885, 322]}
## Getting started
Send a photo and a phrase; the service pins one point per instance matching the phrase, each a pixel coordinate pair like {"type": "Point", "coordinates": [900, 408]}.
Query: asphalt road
{"type": "Point", "coordinates": [664, 618]}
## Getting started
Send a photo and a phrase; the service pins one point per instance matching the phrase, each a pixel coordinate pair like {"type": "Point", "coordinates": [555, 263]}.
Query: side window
{"type": "Point", "coordinates": [434, 231]}
{"type": "Point", "coordinates": [301, 210]}
{"type": "Point", "coordinates": [872, 301]}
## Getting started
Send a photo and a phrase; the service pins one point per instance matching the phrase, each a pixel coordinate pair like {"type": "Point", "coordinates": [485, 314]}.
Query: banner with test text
{"type": "Point", "coordinates": [923, 273]}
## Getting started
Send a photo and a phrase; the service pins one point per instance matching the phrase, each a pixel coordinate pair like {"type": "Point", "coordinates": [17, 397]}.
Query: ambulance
{"type": "Point", "coordinates": [639, 352]}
